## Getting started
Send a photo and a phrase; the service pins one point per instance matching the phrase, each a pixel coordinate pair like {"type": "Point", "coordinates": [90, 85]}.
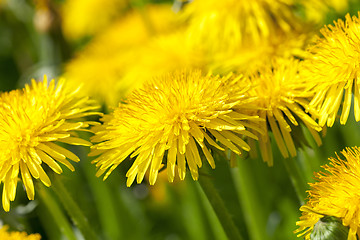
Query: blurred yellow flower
{"type": "Point", "coordinates": [243, 36]}
{"type": "Point", "coordinates": [115, 51]}
{"type": "Point", "coordinates": [284, 104]}
{"type": "Point", "coordinates": [163, 54]}
{"type": "Point", "coordinates": [333, 69]}
{"type": "Point", "coordinates": [169, 120]}
{"type": "Point", "coordinates": [336, 194]}
{"type": "Point", "coordinates": [225, 25]}
{"type": "Point", "coordinates": [248, 59]}
{"type": "Point", "coordinates": [338, 5]}
{"type": "Point", "coordinates": [6, 235]}
{"type": "Point", "coordinates": [83, 18]}
{"type": "Point", "coordinates": [317, 10]}
{"type": "Point", "coordinates": [32, 120]}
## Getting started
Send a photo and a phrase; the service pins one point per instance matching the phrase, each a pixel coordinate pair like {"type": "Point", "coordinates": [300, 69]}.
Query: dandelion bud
{"type": "Point", "coordinates": [329, 228]}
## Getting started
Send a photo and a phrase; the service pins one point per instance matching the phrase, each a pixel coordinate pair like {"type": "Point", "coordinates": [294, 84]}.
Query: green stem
{"type": "Point", "coordinates": [105, 204]}
{"type": "Point", "coordinates": [73, 210]}
{"type": "Point", "coordinates": [250, 199]}
{"type": "Point", "coordinates": [297, 178]}
{"type": "Point", "coordinates": [56, 212]}
{"type": "Point", "coordinates": [191, 205]}
{"type": "Point", "coordinates": [309, 163]}
{"type": "Point", "coordinates": [217, 230]}
{"type": "Point", "coordinates": [219, 207]}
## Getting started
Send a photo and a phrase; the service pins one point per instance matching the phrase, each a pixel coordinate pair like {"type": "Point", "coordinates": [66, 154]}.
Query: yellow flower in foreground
{"type": "Point", "coordinates": [173, 120]}
{"type": "Point", "coordinates": [32, 120]}
{"type": "Point", "coordinates": [336, 194]}
{"type": "Point", "coordinates": [5, 235]}
{"type": "Point", "coordinates": [284, 102]}
{"type": "Point", "coordinates": [334, 69]}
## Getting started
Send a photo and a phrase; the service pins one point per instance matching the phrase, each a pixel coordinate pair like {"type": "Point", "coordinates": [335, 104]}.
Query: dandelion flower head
{"type": "Point", "coordinates": [336, 193]}
{"type": "Point", "coordinates": [6, 235]}
{"type": "Point", "coordinates": [333, 70]}
{"type": "Point", "coordinates": [32, 120]}
{"type": "Point", "coordinates": [171, 121]}
{"type": "Point", "coordinates": [284, 104]}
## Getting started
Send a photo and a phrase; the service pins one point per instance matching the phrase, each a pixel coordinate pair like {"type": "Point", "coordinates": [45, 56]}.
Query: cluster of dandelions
{"type": "Point", "coordinates": [333, 69]}
{"type": "Point", "coordinates": [34, 120]}
{"type": "Point", "coordinates": [329, 73]}
{"type": "Point", "coordinates": [286, 91]}
{"type": "Point", "coordinates": [172, 120]}
{"type": "Point", "coordinates": [177, 120]}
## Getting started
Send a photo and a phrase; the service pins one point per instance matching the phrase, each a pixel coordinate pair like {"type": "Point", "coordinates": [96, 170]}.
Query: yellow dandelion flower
{"type": "Point", "coordinates": [172, 121]}
{"type": "Point", "coordinates": [284, 104]}
{"type": "Point", "coordinates": [6, 235]}
{"type": "Point", "coordinates": [225, 25]}
{"type": "Point", "coordinates": [83, 18]}
{"type": "Point", "coordinates": [116, 50]}
{"type": "Point", "coordinates": [335, 194]}
{"type": "Point", "coordinates": [32, 120]}
{"type": "Point", "coordinates": [333, 70]}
